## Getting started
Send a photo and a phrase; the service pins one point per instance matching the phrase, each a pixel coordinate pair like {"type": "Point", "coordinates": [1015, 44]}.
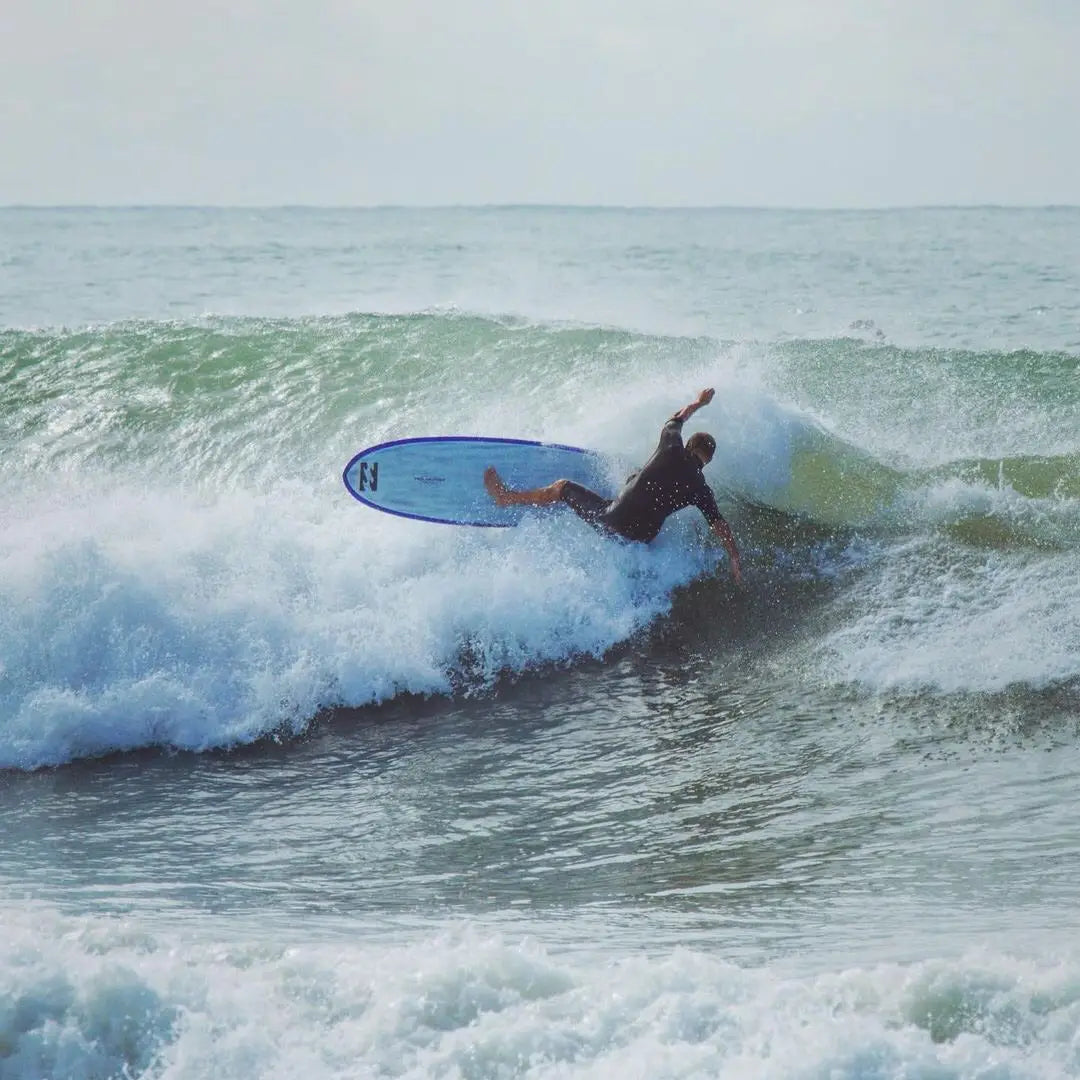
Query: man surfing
{"type": "Point", "coordinates": [670, 480]}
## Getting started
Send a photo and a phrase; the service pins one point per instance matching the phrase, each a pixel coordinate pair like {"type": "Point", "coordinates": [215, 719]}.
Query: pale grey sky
{"type": "Point", "coordinates": [685, 102]}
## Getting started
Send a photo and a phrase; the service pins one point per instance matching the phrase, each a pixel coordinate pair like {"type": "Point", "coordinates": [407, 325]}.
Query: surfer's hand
{"type": "Point", "coordinates": [705, 396]}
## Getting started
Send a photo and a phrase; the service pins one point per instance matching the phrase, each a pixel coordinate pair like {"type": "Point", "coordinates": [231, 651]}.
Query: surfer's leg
{"type": "Point", "coordinates": [505, 496]}
{"type": "Point", "coordinates": [585, 503]}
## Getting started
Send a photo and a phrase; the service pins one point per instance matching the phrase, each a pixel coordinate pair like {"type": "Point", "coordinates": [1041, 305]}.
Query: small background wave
{"type": "Point", "coordinates": [100, 997]}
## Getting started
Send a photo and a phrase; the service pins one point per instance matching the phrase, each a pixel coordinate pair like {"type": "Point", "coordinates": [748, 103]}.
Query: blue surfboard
{"type": "Point", "coordinates": [441, 478]}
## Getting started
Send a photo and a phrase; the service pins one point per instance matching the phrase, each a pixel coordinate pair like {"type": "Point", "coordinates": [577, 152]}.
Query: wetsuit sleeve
{"type": "Point", "coordinates": [705, 501]}
{"type": "Point", "coordinates": [671, 435]}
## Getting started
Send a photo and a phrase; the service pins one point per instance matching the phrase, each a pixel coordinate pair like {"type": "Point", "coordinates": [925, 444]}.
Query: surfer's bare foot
{"type": "Point", "coordinates": [498, 491]}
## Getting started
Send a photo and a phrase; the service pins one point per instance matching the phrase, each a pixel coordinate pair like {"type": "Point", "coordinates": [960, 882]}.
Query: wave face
{"type": "Point", "coordinates": [180, 565]}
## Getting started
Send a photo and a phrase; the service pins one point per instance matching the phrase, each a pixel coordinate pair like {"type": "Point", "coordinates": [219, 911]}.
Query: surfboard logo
{"type": "Point", "coordinates": [367, 476]}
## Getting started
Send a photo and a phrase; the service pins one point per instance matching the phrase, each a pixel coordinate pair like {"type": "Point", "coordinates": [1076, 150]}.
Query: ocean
{"type": "Point", "coordinates": [289, 787]}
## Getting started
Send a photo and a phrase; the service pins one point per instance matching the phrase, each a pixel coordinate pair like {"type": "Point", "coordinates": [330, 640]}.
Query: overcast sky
{"type": "Point", "coordinates": [685, 102]}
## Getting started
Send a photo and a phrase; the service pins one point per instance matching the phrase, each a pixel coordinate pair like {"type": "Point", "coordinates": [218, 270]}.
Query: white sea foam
{"type": "Point", "coordinates": [132, 618]}
{"type": "Point", "coordinates": [100, 997]}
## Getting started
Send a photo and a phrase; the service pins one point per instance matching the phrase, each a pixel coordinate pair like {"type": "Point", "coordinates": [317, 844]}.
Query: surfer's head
{"type": "Point", "coordinates": [702, 446]}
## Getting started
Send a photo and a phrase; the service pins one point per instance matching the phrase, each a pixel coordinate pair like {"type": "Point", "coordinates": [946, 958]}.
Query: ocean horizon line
{"type": "Point", "coordinates": [533, 206]}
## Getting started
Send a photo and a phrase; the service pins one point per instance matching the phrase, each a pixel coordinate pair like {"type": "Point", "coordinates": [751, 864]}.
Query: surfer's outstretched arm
{"type": "Point", "coordinates": [722, 531]}
{"type": "Point", "coordinates": [687, 411]}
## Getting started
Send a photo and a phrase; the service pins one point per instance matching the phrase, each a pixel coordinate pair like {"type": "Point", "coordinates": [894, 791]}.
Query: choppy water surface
{"type": "Point", "coordinates": [293, 786]}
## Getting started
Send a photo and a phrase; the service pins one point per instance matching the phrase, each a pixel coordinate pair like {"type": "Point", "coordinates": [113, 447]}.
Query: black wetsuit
{"type": "Point", "coordinates": [670, 480]}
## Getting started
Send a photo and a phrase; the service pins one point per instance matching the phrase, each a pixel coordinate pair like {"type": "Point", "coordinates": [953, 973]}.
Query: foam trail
{"type": "Point", "coordinates": [928, 620]}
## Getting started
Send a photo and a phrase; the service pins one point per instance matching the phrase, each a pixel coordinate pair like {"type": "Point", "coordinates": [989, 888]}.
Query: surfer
{"type": "Point", "coordinates": [670, 480]}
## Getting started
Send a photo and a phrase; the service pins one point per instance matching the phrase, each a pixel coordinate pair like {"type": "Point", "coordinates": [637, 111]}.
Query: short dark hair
{"type": "Point", "coordinates": [701, 440]}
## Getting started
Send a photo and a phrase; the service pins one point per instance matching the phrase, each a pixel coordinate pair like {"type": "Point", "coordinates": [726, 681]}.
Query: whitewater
{"type": "Point", "coordinates": [288, 785]}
